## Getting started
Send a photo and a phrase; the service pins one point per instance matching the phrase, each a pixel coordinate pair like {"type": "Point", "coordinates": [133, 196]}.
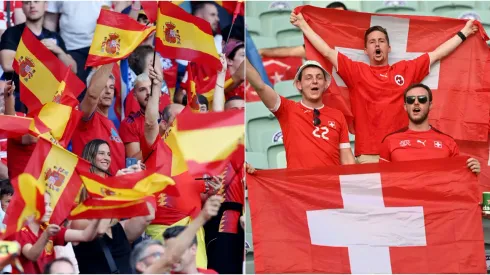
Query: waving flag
{"type": "Point", "coordinates": [16, 126]}
{"type": "Point", "coordinates": [220, 131]}
{"type": "Point", "coordinates": [55, 168]}
{"type": "Point", "coordinates": [460, 108]}
{"type": "Point", "coordinates": [27, 204]}
{"type": "Point", "coordinates": [183, 36]}
{"type": "Point", "coordinates": [370, 218]}
{"type": "Point", "coordinates": [233, 6]}
{"type": "Point", "coordinates": [115, 38]}
{"type": "Point", "coordinates": [193, 99]}
{"type": "Point", "coordinates": [43, 77]}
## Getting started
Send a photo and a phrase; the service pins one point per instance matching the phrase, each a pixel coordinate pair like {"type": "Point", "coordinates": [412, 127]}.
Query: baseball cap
{"type": "Point", "coordinates": [232, 45]}
{"type": "Point", "coordinates": [310, 63]}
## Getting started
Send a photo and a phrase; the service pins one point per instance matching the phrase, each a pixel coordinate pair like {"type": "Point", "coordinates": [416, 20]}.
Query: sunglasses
{"type": "Point", "coordinates": [316, 119]}
{"type": "Point", "coordinates": [421, 98]}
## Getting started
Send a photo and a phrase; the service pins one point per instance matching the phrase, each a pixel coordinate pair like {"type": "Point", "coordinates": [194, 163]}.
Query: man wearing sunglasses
{"type": "Point", "coordinates": [314, 135]}
{"type": "Point", "coordinates": [420, 140]}
{"type": "Point", "coordinates": [376, 88]}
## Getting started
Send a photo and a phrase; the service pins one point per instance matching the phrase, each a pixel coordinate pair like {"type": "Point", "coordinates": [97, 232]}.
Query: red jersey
{"type": "Point", "coordinates": [405, 145]}
{"type": "Point", "coordinates": [132, 106]}
{"type": "Point", "coordinates": [3, 151]}
{"type": "Point", "coordinates": [100, 127]}
{"type": "Point", "coordinates": [132, 128]}
{"type": "Point", "coordinates": [171, 209]}
{"type": "Point", "coordinates": [376, 95]}
{"type": "Point", "coordinates": [25, 236]}
{"type": "Point", "coordinates": [309, 146]}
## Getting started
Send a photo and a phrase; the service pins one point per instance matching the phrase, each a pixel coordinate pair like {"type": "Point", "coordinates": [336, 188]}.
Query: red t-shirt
{"type": "Point", "coordinates": [171, 209]}
{"type": "Point", "coordinates": [100, 127]}
{"type": "Point", "coordinates": [25, 236]}
{"type": "Point", "coordinates": [3, 151]}
{"type": "Point", "coordinates": [132, 128]}
{"type": "Point", "coordinates": [309, 146]}
{"type": "Point", "coordinates": [405, 145]}
{"type": "Point", "coordinates": [376, 95]}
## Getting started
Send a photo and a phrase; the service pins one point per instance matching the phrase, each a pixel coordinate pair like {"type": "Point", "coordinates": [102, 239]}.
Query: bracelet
{"type": "Point", "coordinates": [220, 86]}
{"type": "Point", "coordinates": [462, 36]}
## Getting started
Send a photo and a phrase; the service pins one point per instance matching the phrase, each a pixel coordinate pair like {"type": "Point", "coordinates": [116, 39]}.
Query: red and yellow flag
{"type": "Point", "coordinates": [27, 204]}
{"type": "Point", "coordinates": [120, 197]}
{"type": "Point", "coordinates": [183, 36]}
{"type": "Point", "coordinates": [115, 38]}
{"type": "Point", "coordinates": [206, 81]}
{"type": "Point", "coordinates": [193, 99]}
{"type": "Point", "coordinates": [43, 77]}
{"type": "Point", "coordinates": [57, 170]}
{"type": "Point", "coordinates": [233, 7]}
{"type": "Point", "coordinates": [17, 126]}
{"type": "Point", "coordinates": [221, 132]}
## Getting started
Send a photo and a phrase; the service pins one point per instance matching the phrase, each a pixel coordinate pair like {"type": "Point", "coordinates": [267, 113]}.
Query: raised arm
{"type": "Point", "coordinates": [450, 45]}
{"type": "Point", "coordinates": [134, 227]}
{"type": "Point", "coordinates": [317, 42]}
{"type": "Point", "coordinates": [184, 240]}
{"type": "Point", "coordinates": [33, 251]}
{"type": "Point", "coordinates": [265, 92]}
{"type": "Point", "coordinates": [295, 51]}
{"type": "Point", "coordinates": [97, 84]}
{"type": "Point", "coordinates": [219, 90]}
{"type": "Point", "coordinates": [85, 235]}
{"type": "Point", "coordinates": [151, 112]}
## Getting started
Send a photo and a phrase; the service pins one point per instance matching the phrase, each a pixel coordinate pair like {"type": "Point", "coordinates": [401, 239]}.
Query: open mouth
{"type": "Point", "coordinates": [315, 89]}
{"type": "Point", "coordinates": [416, 110]}
{"type": "Point", "coordinates": [378, 52]}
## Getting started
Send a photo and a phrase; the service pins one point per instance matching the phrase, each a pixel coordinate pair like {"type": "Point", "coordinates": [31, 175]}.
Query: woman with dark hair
{"type": "Point", "coordinates": [110, 252]}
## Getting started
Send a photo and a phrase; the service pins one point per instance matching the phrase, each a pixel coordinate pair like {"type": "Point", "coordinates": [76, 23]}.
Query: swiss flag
{"type": "Point", "coordinates": [461, 94]}
{"type": "Point", "coordinates": [405, 217]}
{"type": "Point", "coordinates": [481, 151]}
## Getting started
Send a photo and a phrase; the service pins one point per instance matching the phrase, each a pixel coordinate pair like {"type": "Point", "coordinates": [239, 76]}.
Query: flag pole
{"type": "Point", "coordinates": [235, 14]}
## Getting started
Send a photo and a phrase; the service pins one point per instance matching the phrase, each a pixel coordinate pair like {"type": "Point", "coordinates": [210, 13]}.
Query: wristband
{"type": "Point", "coordinates": [220, 86]}
{"type": "Point", "coordinates": [461, 35]}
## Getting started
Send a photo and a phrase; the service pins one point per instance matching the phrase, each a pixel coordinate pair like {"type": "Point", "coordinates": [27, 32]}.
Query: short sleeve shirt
{"type": "Point", "coordinates": [309, 146]}
{"type": "Point", "coordinates": [406, 145]}
{"type": "Point", "coordinates": [132, 128]}
{"type": "Point", "coordinates": [376, 95]}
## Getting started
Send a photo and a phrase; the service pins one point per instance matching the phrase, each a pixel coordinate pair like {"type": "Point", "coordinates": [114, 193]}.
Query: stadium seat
{"type": "Point", "coordinates": [276, 155]}
{"type": "Point", "coordinates": [290, 37]}
{"type": "Point", "coordinates": [249, 264]}
{"type": "Point", "coordinates": [480, 15]}
{"type": "Point", "coordinates": [272, 21]}
{"type": "Point", "coordinates": [257, 160]}
{"type": "Point", "coordinates": [351, 5]}
{"type": "Point", "coordinates": [287, 90]}
{"type": "Point", "coordinates": [262, 42]}
{"type": "Point", "coordinates": [253, 25]}
{"type": "Point", "coordinates": [389, 6]}
{"type": "Point", "coordinates": [248, 221]}
{"type": "Point", "coordinates": [259, 118]}
{"type": "Point", "coordinates": [439, 6]}
{"type": "Point", "coordinates": [408, 12]}
{"type": "Point", "coordinates": [268, 136]}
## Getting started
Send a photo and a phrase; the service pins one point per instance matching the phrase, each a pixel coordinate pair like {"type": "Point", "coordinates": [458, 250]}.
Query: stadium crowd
{"type": "Point", "coordinates": [198, 231]}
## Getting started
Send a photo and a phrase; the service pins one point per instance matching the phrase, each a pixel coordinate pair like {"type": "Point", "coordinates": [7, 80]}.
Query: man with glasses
{"type": "Point", "coordinates": [314, 135]}
{"type": "Point", "coordinates": [420, 140]}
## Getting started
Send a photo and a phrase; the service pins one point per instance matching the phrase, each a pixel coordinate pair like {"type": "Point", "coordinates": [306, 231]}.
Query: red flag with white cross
{"type": "Point", "coordinates": [461, 104]}
{"type": "Point", "coordinates": [405, 217]}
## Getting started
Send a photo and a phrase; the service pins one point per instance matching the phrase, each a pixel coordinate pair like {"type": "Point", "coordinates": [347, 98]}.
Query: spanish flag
{"type": "Point", "coordinates": [120, 197]}
{"type": "Point", "coordinates": [43, 77]}
{"type": "Point", "coordinates": [17, 126]}
{"type": "Point", "coordinates": [206, 81]}
{"type": "Point", "coordinates": [151, 8]}
{"type": "Point", "coordinates": [232, 7]}
{"type": "Point", "coordinates": [57, 170]}
{"type": "Point", "coordinates": [193, 99]}
{"type": "Point", "coordinates": [115, 38]}
{"type": "Point", "coordinates": [221, 132]}
{"type": "Point", "coordinates": [183, 36]}
{"type": "Point", "coordinates": [26, 205]}
{"type": "Point", "coordinates": [62, 121]}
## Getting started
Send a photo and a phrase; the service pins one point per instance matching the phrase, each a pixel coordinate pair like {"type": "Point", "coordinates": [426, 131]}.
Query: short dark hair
{"type": "Point", "coordinates": [301, 74]}
{"type": "Point", "coordinates": [375, 28]}
{"type": "Point", "coordinates": [417, 85]}
{"type": "Point", "coordinates": [6, 188]}
{"type": "Point", "coordinates": [47, 267]}
{"type": "Point", "coordinates": [235, 50]}
{"type": "Point", "coordinates": [335, 5]}
{"type": "Point", "coordinates": [174, 231]}
{"type": "Point", "coordinates": [198, 5]}
{"type": "Point", "coordinates": [202, 100]}
{"type": "Point", "coordinates": [137, 58]}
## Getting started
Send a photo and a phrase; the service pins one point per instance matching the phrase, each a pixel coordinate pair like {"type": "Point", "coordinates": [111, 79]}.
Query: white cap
{"type": "Point", "coordinates": [309, 63]}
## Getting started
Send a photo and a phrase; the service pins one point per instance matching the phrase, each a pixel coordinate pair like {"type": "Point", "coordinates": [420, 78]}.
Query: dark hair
{"type": "Point", "coordinates": [238, 30]}
{"type": "Point", "coordinates": [90, 152]}
{"type": "Point", "coordinates": [236, 97]}
{"type": "Point", "coordinates": [137, 58]}
{"type": "Point", "coordinates": [198, 5]}
{"type": "Point", "coordinates": [142, 17]}
{"type": "Point", "coordinates": [235, 50]}
{"type": "Point", "coordinates": [202, 100]}
{"type": "Point", "coordinates": [6, 188]}
{"type": "Point", "coordinates": [174, 231]}
{"type": "Point", "coordinates": [335, 5]}
{"type": "Point", "coordinates": [417, 85]}
{"type": "Point", "coordinates": [301, 74]}
{"type": "Point", "coordinates": [47, 267]}
{"type": "Point", "coordinates": [375, 28]}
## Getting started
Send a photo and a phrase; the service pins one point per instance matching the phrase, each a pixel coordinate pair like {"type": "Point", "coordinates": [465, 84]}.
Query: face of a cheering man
{"type": "Point", "coordinates": [418, 111]}
{"type": "Point", "coordinates": [377, 48]}
{"type": "Point", "coordinates": [312, 84]}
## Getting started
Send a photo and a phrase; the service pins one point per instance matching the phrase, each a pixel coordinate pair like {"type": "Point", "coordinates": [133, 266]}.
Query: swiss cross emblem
{"type": "Point", "coordinates": [437, 144]}
{"type": "Point", "coordinates": [331, 124]}
{"type": "Point", "coordinates": [404, 143]}
{"type": "Point", "coordinates": [399, 80]}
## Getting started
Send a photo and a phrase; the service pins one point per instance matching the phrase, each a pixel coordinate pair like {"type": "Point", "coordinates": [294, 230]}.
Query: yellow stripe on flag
{"type": "Point", "coordinates": [83, 208]}
{"type": "Point", "coordinates": [179, 165]}
{"type": "Point", "coordinates": [189, 35]}
{"type": "Point", "coordinates": [114, 42]}
{"type": "Point", "coordinates": [56, 117]}
{"type": "Point", "coordinates": [40, 79]}
{"type": "Point", "coordinates": [29, 187]}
